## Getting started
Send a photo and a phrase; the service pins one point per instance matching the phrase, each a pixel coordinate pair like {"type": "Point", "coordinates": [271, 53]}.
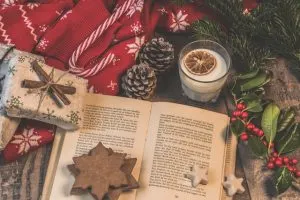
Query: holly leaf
{"type": "Point", "coordinates": [286, 119]}
{"type": "Point", "coordinates": [237, 127]}
{"type": "Point", "coordinates": [283, 179]}
{"type": "Point", "coordinates": [290, 141]}
{"type": "Point", "coordinates": [253, 103]}
{"type": "Point", "coordinates": [235, 89]}
{"type": "Point", "coordinates": [258, 148]}
{"type": "Point", "coordinates": [269, 121]}
{"type": "Point", "coordinates": [248, 75]}
{"type": "Point", "coordinates": [259, 80]}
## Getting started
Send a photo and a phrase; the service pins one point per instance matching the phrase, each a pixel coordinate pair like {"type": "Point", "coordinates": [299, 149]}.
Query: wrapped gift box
{"type": "Point", "coordinates": [8, 126]}
{"type": "Point", "coordinates": [40, 104]}
{"type": "Point", "coordinates": [7, 52]}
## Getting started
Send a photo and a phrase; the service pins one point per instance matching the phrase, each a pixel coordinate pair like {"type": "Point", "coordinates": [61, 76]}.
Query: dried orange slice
{"type": "Point", "coordinates": [200, 62]}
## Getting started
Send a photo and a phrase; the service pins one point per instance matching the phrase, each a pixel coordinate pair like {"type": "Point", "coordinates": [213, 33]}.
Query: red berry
{"type": "Point", "coordinates": [244, 106]}
{"type": "Point", "coordinates": [290, 168]}
{"type": "Point", "coordinates": [256, 130]}
{"type": "Point", "coordinates": [275, 154]}
{"type": "Point", "coordinates": [250, 126]}
{"type": "Point", "coordinates": [240, 106]}
{"type": "Point", "coordinates": [278, 163]}
{"type": "Point", "coordinates": [297, 173]}
{"type": "Point", "coordinates": [294, 169]}
{"type": "Point", "coordinates": [286, 160]}
{"type": "Point", "coordinates": [260, 133]}
{"type": "Point", "coordinates": [244, 136]}
{"type": "Point", "coordinates": [270, 165]}
{"type": "Point", "coordinates": [294, 161]}
{"type": "Point", "coordinates": [280, 158]}
{"type": "Point", "coordinates": [245, 115]}
{"type": "Point", "coordinates": [233, 119]}
{"type": "Point", "coordinates": [236, 113]}
{"type": "Point", "coordinates": [272, 159]}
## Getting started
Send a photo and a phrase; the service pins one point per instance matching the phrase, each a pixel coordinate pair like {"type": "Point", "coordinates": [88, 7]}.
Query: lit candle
{"type": "Point", "coordinates": [203, 69]}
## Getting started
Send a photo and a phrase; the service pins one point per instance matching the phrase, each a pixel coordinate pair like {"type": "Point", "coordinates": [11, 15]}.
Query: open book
{"type": "Point", "coordinates": [166, 138]}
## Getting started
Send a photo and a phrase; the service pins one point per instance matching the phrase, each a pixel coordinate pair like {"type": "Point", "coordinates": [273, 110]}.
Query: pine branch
{"type": "Point", "coordinates": [206, 29]}
{"type": "Point", "coordinates": [231, 11]}
{"type": "Point", "coordinates": [246, 52]}
{"type": "Point", "coordinates": [281, 29]}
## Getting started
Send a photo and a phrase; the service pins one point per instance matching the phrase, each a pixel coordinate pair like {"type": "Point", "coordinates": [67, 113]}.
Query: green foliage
{"type": "Point", "coordinates": [230, 11]}
{"type": "Point", "coordinates": [253, 102]}
{"type": "Point", "coordinates": [250, 84]}
{"type": "Point", "coordinates": [258, 148]}
{"type": "Point", "coordinates": [239, 36]}
{"type": "Point", "coordinates": [272, 29]}
{"type": "Point", "coordinates": [248, 75]}
{"type": "Point", "coordinates": [258, 81]}
{"type": "Point", "coordinates": [269, 121]}
{"type": "Point", "coordinates": [237, 127]}
{"type": "Point", "coordinates": [206, 29]}
{"type": "Point", "coordinates": [283, 179]}
{"type": "Point", "coordinates": [290, 141]}
{"type": "Point", "coordinates": [286, 119]}
{"type": "Point", "coordinates": [281, 28]}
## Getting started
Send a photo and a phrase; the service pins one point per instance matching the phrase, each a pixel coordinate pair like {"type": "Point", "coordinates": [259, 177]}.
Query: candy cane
{"type": "Point", "coordinates": [92, 38]}
{"type": "Point", "coordinates": [91, 72]}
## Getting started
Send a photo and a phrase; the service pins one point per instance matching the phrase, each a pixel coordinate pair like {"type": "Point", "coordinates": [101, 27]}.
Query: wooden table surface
{"type": "Point", "coordinates": [23, 179]}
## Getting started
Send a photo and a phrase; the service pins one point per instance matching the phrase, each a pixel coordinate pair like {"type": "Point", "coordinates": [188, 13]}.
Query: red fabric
{"type": "Point", "coordinates": [54, 29]}
{"type": "Point", "coordinates": [29, 136]}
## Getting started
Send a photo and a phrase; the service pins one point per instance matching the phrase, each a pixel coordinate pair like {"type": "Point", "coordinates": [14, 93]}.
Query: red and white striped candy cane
{"type": "Point", "coordinates": [92, 38]}
{"type": "Point", "coordinates": [93, 71]}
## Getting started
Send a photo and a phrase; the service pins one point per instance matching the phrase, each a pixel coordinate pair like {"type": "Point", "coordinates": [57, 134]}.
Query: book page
{"type": "Point", "coordinates": [179, 137]}
{"type": "Point", "coordinates": [119, 123]}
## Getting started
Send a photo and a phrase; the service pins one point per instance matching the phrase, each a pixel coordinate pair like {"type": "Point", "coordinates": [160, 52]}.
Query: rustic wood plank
{"type": "Point", "coordinates": [23, 179]}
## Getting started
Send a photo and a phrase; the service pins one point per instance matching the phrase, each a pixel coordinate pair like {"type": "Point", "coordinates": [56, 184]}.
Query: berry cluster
{"type": "Point", "coordinates": [290, 163]}
{"type": "Point", "coordinates": [275, 161]}
{"type": "Point", "coordinates": [242, 114]}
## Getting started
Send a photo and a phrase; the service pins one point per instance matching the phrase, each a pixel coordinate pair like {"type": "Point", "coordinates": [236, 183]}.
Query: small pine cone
{"type": "Point", "coordinates": [139, 82]}
{"type": "Point", "coordinates": [158, 54]}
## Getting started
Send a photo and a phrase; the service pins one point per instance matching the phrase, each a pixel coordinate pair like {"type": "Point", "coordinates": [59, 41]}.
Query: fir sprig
{"type": "Point", "coordinates": [211, 30]}
{"type": "Point", "coordinates": [281, 29]}
{"type": "Point", "coordinates": [245, 52]}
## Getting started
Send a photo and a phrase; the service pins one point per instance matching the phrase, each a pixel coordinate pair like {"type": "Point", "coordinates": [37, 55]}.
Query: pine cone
{"type": "Point", "coordinates": [159, 54]}
{"type": "Point", "coordinates": [139, 82]}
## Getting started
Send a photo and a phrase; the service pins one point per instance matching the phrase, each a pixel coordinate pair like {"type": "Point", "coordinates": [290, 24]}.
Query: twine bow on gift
{"type": "Point", "coordinates": [47, 84]}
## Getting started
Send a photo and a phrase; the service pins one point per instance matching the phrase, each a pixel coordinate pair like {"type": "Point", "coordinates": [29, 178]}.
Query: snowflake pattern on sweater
{"type": "Point", "coordinates": [135, 47]}
{"type": "Point", "coordinates": [179, 22]}
{"type": "Point", "coordinates": [9, 3]}
{"type": "Point", "coordinates": [26, 140]}
{"type": "Point", "coordinates": [135, 7]}
{"type": "Point", "coordinates": [33, 5]}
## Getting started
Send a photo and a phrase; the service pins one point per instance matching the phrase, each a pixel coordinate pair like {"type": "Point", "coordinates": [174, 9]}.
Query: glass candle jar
{"type": "Point", "coordinates": [203, 68]}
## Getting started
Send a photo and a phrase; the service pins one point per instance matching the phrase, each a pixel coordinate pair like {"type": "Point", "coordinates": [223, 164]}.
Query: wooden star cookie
{"type": "Point", "coordinates": [198, 176]}
{"type": "Point", "coordinates": [233, 185]}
